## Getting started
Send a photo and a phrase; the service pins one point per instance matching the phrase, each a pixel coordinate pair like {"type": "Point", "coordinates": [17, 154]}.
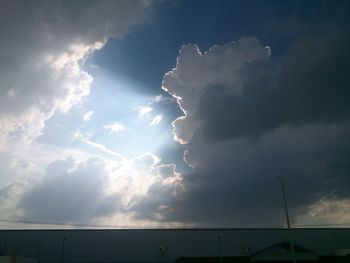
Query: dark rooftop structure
{"type": "Point", "coordinates": [174, 245]}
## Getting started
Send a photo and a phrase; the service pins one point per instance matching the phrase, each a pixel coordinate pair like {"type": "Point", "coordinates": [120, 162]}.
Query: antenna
{"type": "Point", "coordinates": [288, 222]}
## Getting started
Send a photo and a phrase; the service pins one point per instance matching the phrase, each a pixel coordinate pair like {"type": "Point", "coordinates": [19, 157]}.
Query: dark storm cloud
{"type": "Point", "coordinates": [251, 119]}
{"type": "Point", "coordinates": [156, 204]}
{"type": "Point", "coordinates": [337, 171]}
{"type": "Point", "coordinates": [234, 183]}
{"type": "Point", "coordinates": [311, 85]}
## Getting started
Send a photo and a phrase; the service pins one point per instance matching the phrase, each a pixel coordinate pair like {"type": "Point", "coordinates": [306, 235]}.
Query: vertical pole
{"type": "Point", "coordinates": [38, 251]}
{"type": "Point", "coordinates": [62, 248]}
{"type": "Point", "coordinates": [288, 222]}
{"type": "Point", "coordinates": [220, 249]}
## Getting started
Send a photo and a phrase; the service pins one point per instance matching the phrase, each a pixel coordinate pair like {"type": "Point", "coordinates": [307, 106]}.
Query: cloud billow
{"type": "Point", "coordinates": [311, 86]}
{"type": "Point", "coordinates": [97, 190]}
{"type": "Point", "coordinates": [70, 196]}
{"type": "Point", "coordinates": [249, 119]}
{"type": "Point", "coordinates": [220, 66]}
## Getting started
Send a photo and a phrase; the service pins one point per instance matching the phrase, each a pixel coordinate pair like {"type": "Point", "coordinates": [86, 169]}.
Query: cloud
{"type": "Point", "coordinates": [93, 190]}
{"type": "Point", "coordinates": [195, 71]}
{"type": "Point", "coordinates": [115, 127]}
{"type": "Point", "coordinates": [41, 74]}
{"type": "Point", "coordinates": [102, 148]}
{"type": "Point", "coordinates": [156, 120]}
{"type": "Point", "coordinates": [9, 197]}
{"type": "Point", "coordinates": [144, 110]}
{"type": "Point", "coordinates": [309, 87]}
{"type": "Point", "coordinates": [87, 116]}
{"type": "Point", "coordinates": [70, 194]}
{"type": "Point", "coordinates": [249, 118]}
{"type": "Point", "coordinates": [158, 98]}
{"type": "Point", "coordinates": [328, 210]}
{"type": "Point", "coordinates": [155, 205]}
{"type": "Point", "coordinates": [20, 165]}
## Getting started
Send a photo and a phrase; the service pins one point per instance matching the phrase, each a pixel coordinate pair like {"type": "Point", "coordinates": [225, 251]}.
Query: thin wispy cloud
{"type": "Point", "coordinates": [158, 98]}
{"type": "Point", "coordinates": [86, 139]}
{"type": "Point", "coordinates": [156, 120]}
{"type": "Point", "coordinates": [87, 116]}
{"type": "Point", "coordinates": [144, 111]}
{"type": "Point", "coordinates": [115, 127]}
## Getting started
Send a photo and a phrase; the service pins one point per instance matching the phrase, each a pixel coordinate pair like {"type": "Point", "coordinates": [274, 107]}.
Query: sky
{"type": "Point", "coordinates": [174, 114]}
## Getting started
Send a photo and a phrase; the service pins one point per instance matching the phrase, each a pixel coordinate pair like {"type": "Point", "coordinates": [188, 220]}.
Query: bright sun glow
{"type": "Point", "coordinates": [124, 121]}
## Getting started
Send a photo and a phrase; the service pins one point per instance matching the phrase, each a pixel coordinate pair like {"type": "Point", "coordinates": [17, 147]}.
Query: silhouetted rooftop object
{"type": "Point", "coordinates": [281, 252]}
